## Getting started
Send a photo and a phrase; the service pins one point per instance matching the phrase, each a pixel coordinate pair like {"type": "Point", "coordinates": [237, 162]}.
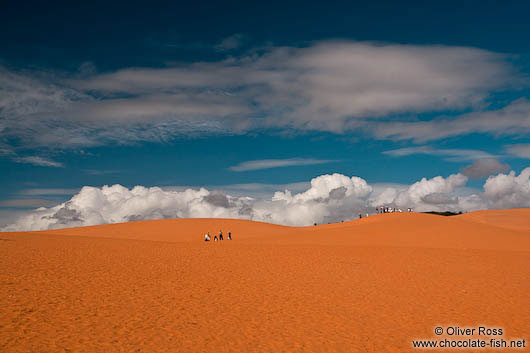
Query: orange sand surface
{"type": "Point", "coordinates": [369, 285]}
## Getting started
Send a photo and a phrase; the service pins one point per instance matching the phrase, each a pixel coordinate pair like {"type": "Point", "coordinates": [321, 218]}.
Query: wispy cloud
{"type": "Point", "coordinates": [38, 161]}
{"type": "Point", "coordinates": [27, 203]}
{"type": "Point", "coordinates": [451, 155]}
{"type": "Point", "coordinates": [232, 42]}
{"type": "Point", "coordinates": [521, 150]}
{"type": "Point", "coordinates": [49, 192]}
{"type": "Point", "coordinates": [277, 163]}
{"type": "Point", "coordinates": [100, 172]}
{"type": "Point", "coordinates": [332, 86]}
{"type": "Point", "coordinates": [6, 150]}
{"type": "Point", "coordinates": [482, 168]}
{"type": "Point", "coordinates": [514, 119]}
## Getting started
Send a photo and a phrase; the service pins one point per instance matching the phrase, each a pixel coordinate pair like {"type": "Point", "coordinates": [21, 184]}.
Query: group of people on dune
{"type": "Point", "coordinates": [386, 209]}
{"type": "Point", "coordinates": [215, 238]}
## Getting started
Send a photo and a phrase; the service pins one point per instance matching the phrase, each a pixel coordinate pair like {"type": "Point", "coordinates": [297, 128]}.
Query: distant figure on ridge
{"type": "Point", "coordinates": [220, 235]}
{"type": "Point", "coordinates": [229, 236]}
{"type": "Point", "coordinates": [207, 237]}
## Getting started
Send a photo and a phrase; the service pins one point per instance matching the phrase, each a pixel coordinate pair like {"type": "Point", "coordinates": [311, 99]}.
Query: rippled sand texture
{"type": "Point", "coordinates": [370, 285]}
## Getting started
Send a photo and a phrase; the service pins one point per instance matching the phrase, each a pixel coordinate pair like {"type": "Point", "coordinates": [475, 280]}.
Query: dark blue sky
{"type": "Point", "coordinates": [70, 73]}
{"type": "Point", "coordinates": [118, 34]}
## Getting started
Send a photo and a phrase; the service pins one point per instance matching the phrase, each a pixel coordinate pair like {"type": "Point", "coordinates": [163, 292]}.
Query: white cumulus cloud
{"type": "Point", "coordinates": [425, 195]}
{"type": "Point", "coordinates": [508, 190]}
{"type": "Point", "coordinates": [328, 198]}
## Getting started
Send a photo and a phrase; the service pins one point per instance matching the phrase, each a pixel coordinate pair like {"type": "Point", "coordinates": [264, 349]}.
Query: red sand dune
{"type": "Point", "coordinates": [370, 285]}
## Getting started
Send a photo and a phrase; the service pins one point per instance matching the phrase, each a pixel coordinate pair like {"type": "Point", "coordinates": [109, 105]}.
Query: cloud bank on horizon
{"type": "Point", "coordinates": [330, 198]}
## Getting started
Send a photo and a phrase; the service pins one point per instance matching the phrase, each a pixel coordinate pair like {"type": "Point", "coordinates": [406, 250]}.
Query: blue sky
{"type": "Point", "coordinates": [233, 95]}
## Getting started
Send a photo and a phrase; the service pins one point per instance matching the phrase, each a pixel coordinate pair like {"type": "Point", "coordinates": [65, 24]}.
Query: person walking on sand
{"type": "Point", "coordinates": [215, 238]}
{"type": "Point", "coordinates": [229, 236]}
{"type": "Point", "coordinates": [220, 235]}
{"type": "Point", "coordinates": [207, 237]}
